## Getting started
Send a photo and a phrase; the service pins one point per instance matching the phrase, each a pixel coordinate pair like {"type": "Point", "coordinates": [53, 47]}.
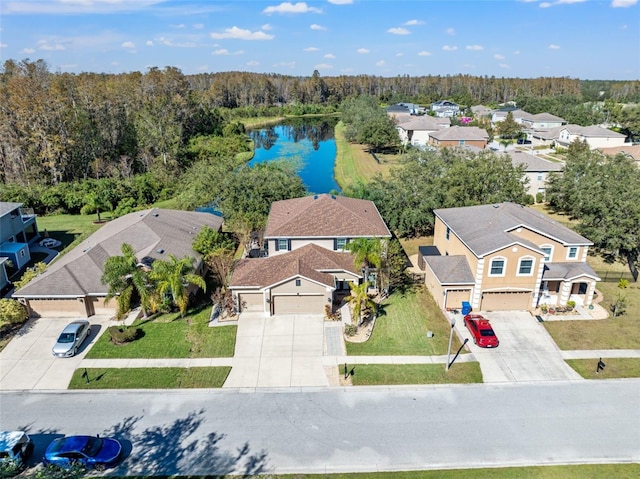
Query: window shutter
{"type": "Point", "coordinates": [335, 244]}
{"type": "Point", "coordinates": [288, 245]}
{"type": "Point", "coordinates": [277, 245]}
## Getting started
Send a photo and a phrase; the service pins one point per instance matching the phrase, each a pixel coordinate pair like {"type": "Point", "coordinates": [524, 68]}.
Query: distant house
{"type": "Point", "coordinates": [71, 286]}
{"type": "Point", "coordinates": [405, 109]}
{"type": "Point", "coordinates": [527, 120]}
{"type": "Point", "coordinates": [416, 131]}
{"type": "Point", "coordinates": [445, 108]}
{"type": "Point", "coordinates": [506, 257]}
{"type": "Point", "coordinates": [308, 261]}
{"type": "Point", "coordinates": [481, 111]}
{"type": "Point", "coordinates": [595, 136]}
{"type": "Point", "coordinates": [17, 229]}
{"type": "Point", "coordinates": [459, 136]}
{"type": "Point", "coordinates": [632, 151]}
{"type": "Point", "coordinates": [536, 169]}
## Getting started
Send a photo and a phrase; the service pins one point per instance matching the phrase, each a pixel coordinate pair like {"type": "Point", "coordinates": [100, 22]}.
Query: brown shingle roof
{"type": "Point", "coordinates": [325, 216]}
{"type": "Point", "coordinates": [311, 261]}
{"type": "Point", "coordinates": [153, 234]}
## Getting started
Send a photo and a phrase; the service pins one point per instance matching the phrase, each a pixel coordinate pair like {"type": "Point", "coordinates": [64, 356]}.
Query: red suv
{"type": "Point", "coordinates": [481, 331]}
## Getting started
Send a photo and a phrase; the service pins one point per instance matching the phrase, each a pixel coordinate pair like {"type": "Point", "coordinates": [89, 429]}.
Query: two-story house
{"type": "Point", "coordinates": [308, 261]}
{"type": "Point", "coordinates": [506, 257]}
{"type": "Point", "coordinates": [17, 230]}
{"type": "Point", "coordinates": [416, 131]}
{"type": "Point", "coordinates": [445, 108]}
{"type": "Point", "coordinates": [536, 169]}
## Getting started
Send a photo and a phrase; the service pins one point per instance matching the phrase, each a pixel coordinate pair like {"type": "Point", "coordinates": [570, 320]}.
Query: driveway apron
{"type": "Point", "coordinates": [526, 351]}
{"type": "Point", "coordinates": [278, 351]}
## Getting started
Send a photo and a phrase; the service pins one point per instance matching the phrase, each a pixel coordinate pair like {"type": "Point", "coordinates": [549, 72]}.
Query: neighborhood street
{"type": "Point", "coordinates": [336, 429]}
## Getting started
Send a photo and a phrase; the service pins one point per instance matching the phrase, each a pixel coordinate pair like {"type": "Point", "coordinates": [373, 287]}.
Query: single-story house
{"type": "Point", "coordinates": [71, 286]}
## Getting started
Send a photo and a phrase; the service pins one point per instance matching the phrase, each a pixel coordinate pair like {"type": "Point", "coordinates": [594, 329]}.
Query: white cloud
{"type": "Point", "coordinates": [3, 45]}
{"type": "Point", "coordinates": [424, 53]}
{"type": "Point", "coordinates": [180, 25]}
{"type": "Point", "coordinates": [323, 66]}
{"type": "Point", "coordinates": [341, 2]}
{"type": "Point", "coordinates": [252, 63]}
{"type": "Point", "coordinates": [475, 48]}
{"type": "Point", "coordinates": [450, 31]}
{"type": "Point", "coordinates": [266, 26]}
{"type": "Point", "coordinates": [545, 5]}
{"type": "Point", "coordinates": [115, 64]}
{"type": "Point", "coordinates": [203, 68]}
{"type": "Point", "coordinates": [241, 34]}
{"type": "Point", "coordinates": [449, 48]}
{"type": "Point", "coordinates": [554, 47]}
{"type": "Point", "coordinates": [55, 46]}
{"type": "Point", "coordinates": [128, 45]}
{"type": "Point", "coordinates": [399, 31]}
{"type": "Point", "coordinates": [311, 49]}
{"type": "Point", "coordinates": [28, 51]}
{"type": "Point", "coordinates": [330, 56]}
{"type": "Point", "coordinates": [497, 56]}
{"type": "Point", "coordinates": [222, 51]}
{"type": "Point", "coordinates": [363, 50]}
{"type": "Point", "coordinates": [380, 63]}
{"type": "Point", "coordinates": [149, 43]}
{"type": "Point", "coordinates": [517, 52]}
{"type": "Point", "coordinates": [504, 65]}
{"type": "Point", "coordinates": [315, 26]}
{"type": "Point", "coordinates": [623, 3]}
{"type": "Point", "coordinates": [65, 7]}
{"type": "Point", "coordinates": [199, 26]}
{"type": "Point", "coordinates": [561, 2]}
{"type": "Point", "coordinates": [170, 42]}
{"type": "Point", "coordinates": [288, 7]}
{"type": "Point", "coordinates": [414, 22]}
{"type": "Point", "coordinates": [399, 54]}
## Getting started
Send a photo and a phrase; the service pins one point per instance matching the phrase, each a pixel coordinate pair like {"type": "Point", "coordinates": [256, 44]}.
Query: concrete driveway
{"type": "Point", "coordinates": [27, 363]}
{"type": "Point", "coordinates": [278, 351]}
{"type": "Point", "coordinates": [526, 351]}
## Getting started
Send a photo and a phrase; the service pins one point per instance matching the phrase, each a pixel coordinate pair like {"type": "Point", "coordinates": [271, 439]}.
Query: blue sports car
{"type": "Point", "coordinates": [90, 451]}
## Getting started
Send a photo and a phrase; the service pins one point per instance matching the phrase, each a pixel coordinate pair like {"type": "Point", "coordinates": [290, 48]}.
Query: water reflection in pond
{"type": "Point", "coordinates": [310, 142]}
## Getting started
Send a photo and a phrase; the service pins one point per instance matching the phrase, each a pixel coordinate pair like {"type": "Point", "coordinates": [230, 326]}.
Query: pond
{"type": "Point", "coordinates": [310, 142]}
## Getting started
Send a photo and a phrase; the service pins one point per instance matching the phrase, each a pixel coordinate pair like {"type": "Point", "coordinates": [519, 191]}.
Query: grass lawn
{"type": "Point", "coordinates": [395, 374]}
{"type": "Point", "coordinates": [69, 229]}
{"type": "Point", "coordinates": [401, 329]}
{"type": "Point", "coordinates": [353, 163]}
{"type": "Point", "coordinates": [150, 378]}
{"type": "Point", "coordinates": [169, 336]}
{"type": "Point", "coordinates": [615, 368]}
{"type": "Point", "coordinates": [620, 333]}
{"type": "Point", "coordinates": [410, 245]}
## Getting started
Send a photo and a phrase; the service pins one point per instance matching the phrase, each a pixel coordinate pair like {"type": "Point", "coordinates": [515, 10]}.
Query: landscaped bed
{"type": "Point", "coordinates": [402, 326]}
{"type": "Point", "coordinates": [149, 378]}
{"type": "Point", "coordinates": [170, 336]}
{"type": "Point", "coordinates": [396, 374]}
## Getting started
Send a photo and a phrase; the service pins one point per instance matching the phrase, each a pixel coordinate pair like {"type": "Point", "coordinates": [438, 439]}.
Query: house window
{"type": "Point", "coordinates": [572, 253]}
{"type": "Point", "coordinates": [547, 252]}
{"type": "Point", "coordinates": [461, 142]}
{"type": "Point", "coordinates": [341, 243]}
{"type": "Point", "coordinates": [497, 267]}
{"type": "Point", "coordinates": [539, 176]}
{"type": "Point", "coordinates": [525, 268]}
{"type": "Point", "coordinates": [282, 245]}
{"type": "Point", "coordinates": [298, 282]}
{"type": "Point", "coordinates": [448, 233]}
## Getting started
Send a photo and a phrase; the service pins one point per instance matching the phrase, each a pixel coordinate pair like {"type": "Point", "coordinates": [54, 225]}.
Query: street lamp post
{"type": "Point", "coordinates": [453, 323]}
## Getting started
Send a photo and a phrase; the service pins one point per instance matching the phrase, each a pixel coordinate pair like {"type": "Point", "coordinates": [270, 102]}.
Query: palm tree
{"type": "Point", "coordinates": [173, 277]}
{"type": "Point", "coordinates": [359, 300]}
{"type": "Point", "coordinates": [125, 278]}
{"type": "Point", "coordinates": [368, 253]}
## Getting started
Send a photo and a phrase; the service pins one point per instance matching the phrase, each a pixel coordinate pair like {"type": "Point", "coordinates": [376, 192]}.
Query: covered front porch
{"type": "Point", "coordinates": [564, 282]}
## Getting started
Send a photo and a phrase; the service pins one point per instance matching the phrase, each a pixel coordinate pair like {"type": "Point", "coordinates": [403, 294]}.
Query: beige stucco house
{"type": "Point", "coordinates": [536, 169]}
{"type": "Point", "coordinates": [416, 131]}
{"type": "Point", "coordinates": [506, 257]}
{"type": "Point", "coordinates": [72, 287]}
{"type": "Point", "coordinates": [307, 261]}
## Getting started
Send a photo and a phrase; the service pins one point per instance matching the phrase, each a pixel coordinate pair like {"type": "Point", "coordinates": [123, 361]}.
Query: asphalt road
{"type": "Point", "coordinates": [331, 430]}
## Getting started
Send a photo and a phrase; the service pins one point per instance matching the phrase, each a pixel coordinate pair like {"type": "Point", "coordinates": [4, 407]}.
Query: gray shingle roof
{"type": "Point", "coordinates": [325, 216]}
{"type": "Point", "coordinates": [488, 228]}
{"type": "Point", "coordinates": [450, 270]}
{"type": "Point", "coordinates": [456, 133]}
{"type": "Point", "coordinates": [427, 123]}
{"type": "Point", "coordinates": [533, 163]}
{"type": "Point", "coordinates": [592, 131]}
{"type": "Point", "coordinates": [153, 234]}
{"type": "Point", "coordinates": [310, 261]}
{"type": "Point", "coordinates": [6, 207]}
{"type": "Point", "coordinates": [567, 271]}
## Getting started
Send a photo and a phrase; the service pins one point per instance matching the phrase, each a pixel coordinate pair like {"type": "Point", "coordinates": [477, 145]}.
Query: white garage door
{"type": "Point", "coordinates": [298, 304]}
{"type": "Point", "coordinates": [251, 302]}
{"type": "Point", "coordinates": [504, 301]}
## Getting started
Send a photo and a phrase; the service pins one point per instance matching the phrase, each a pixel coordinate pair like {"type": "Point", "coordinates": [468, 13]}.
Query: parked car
{"type": "Point", "coordinates": [15, 448]}
{"type": "Point", "coordinates": [523, 141]}
{"type": "Point", "coordinates": [93, 452]}
{"type": "Point", "coordinates": [481, 331]}
{"type": "Point", "coordinates": [71, 338]}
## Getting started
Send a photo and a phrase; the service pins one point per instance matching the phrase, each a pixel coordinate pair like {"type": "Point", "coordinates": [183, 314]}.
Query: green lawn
{"type": "Point", "coordinates": [401, 329]}
{"type": "Point", "coordinates": [615, 368]}
{"type": "Point", "coordinates": [395, 374]}
{"type": "Point", "coordinates": [150, 378]}
{"type": "Point", "coordinates": [169, 336]}
{"type": "Point", "coordinates": [69, 229]}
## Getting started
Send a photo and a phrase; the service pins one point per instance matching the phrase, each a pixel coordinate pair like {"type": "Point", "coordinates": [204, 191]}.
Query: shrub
{"type": "Point", "coordinates": [528, 200]}
{"type": "Point", "coordinates": [350, 330]}
{"type": "Point", "coordinates": [123, 334]}
{"type": "Point", "coordinates": [570, 305]}
{"type": "Point", "coordinates": [11, 311]}
{"type": "Point", "coordinates": [544, 308]}
{"type": "Point", "coordinates": [539, 197]}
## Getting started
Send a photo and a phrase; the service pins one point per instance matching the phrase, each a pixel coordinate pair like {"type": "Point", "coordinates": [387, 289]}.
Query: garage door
{"type": "Point", "coordinates": [455, 297]}
{"type": "Point", "coordinates": [251, 302]}
{"type": "Point", "coordinates": [58, 307]}
{"type": "Point", "coordinates": [504, 301]}
{"type": "Point", "coordinates": [298, 304]}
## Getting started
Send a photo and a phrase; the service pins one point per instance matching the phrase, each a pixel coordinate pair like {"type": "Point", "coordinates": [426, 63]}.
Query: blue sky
{"type": "Point", "coordinates": [586, 39]}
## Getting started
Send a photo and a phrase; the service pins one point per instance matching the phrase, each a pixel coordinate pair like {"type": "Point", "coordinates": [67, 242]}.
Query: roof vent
{"type": "Point", "coordinates": [315, 197]}
{"type": "Point", "coordinates": [496, 206]}
{"type": "Point", "coordinates": [159, 251]}
{"type": "Point", "coordinates": [333, 197]}
{"type": "Point", "coordinates": [156, 214]}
